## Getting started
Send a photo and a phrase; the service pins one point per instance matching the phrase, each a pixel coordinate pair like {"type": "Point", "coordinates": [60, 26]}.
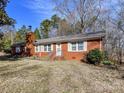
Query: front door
{"type": "Point", "coordinates": [58, 50]}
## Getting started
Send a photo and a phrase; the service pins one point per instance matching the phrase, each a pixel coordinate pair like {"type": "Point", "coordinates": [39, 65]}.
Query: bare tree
{"type": "Point", "coordinates": [84, 11]}
{"type": "Point", "coordinates": [64, 28]}
{"type": "Point", "coordinates": [114, 42]}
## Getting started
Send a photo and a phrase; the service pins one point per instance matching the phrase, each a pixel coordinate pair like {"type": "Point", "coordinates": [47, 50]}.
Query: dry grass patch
{"type": "Point", "coordinates": [31, 76]}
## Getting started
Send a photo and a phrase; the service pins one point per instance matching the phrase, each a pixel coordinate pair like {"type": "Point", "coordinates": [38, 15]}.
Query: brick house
{"type": "Point", "coordinates": [24, 48]}
{"type": "Point", "coordinates": [73, 47]}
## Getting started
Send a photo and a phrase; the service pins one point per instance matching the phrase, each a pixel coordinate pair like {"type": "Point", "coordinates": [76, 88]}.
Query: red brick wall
{"type": "Point", "coordinates": [49, 54]}
{"type": "Point", "coordinates": [71, 55]}
{"type": "Point", "coordinates": [67, 55]}
{"type": "Point", "coordinates": [92, 44]}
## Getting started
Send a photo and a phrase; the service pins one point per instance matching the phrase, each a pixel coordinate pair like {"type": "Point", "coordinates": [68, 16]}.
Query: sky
{"type": "Point", "coordinates": [30, 12]}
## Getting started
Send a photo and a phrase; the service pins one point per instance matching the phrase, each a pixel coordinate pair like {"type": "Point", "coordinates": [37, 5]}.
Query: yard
{"type": "Point", "coordinates": [32, 76]}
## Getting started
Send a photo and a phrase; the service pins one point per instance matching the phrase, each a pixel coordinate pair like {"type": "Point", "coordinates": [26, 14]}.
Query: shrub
{"type": "Point", "coordinates": [104, 55]}
{"type": "Point", "coordinates": [7, 51]}
{"type": "Point", "coordinates": [94, 56]}
{"type": "Point", "coordinates": [107, 62]}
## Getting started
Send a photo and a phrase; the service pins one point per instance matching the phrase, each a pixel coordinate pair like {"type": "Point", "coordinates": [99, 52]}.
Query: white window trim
{"type": "Point", "coordinates": [37, 49]}
{"type": "Point", "coordinates": [41, 48]}
{"type": "Point", "coordinates": [70, 47]}
{"type": "Point", "coordinates": [47, 48]}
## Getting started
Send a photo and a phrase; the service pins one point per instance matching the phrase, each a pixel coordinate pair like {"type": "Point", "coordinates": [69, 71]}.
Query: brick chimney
{"type": "Point", "coordinates": [30, 39]}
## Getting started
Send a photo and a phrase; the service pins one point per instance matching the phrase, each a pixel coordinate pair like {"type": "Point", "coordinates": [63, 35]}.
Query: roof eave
{"type": "Point", "coordinates": [70, 40]}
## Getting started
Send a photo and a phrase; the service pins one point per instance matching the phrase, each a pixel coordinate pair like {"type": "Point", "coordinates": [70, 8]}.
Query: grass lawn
{"type": "Point", "coordinates": [32, 76]}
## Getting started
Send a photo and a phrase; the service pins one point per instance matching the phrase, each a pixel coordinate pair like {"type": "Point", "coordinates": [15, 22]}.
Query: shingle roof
{"type": "Point", "coordinates": [19, 44]}
{"type": "Point", "coordinates": [78, 37]}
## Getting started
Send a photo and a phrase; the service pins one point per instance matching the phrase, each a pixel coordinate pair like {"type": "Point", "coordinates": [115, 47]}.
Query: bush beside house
{"type": "Point", "coordinates": [96, 57]}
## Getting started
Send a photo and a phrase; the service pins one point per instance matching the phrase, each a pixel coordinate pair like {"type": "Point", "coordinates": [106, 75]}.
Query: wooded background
{"type": "Point", "coordinates": [75, 17]}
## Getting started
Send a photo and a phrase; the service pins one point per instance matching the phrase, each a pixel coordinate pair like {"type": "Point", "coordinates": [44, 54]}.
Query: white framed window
{"type": "Point", "coordinates": [37, 48]}
{"type": "Point", "coordinates": [73, 46]}
{"type": "Point", "coordinates": [77, 46]}
{"type": "Point", "coordinates": [80, 46]}
{"type": "Point", "coordinates": [48, 48]}
{"type": "Point", "coordinates": [44, 48]}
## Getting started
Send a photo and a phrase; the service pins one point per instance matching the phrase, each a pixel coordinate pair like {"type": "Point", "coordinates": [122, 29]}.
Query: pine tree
{"type": "Point", "coordinates": [37, 33]}
{"type": "Point", "coordinates": [4, 18]}
{"type": "Point", "coordinates": [45, 27]}
{"type": "Point", "coordinates": [21, 34]}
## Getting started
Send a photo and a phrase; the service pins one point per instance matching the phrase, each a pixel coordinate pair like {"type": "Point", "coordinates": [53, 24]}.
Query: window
{"type": "Point", "coordinates": [43, 48]}
{"type": "Point", "coordinates": [47, 48]}
{"type": "Point", "coordinates": [77, 46]}
{"type": "Point", "coordinates": [18, 50]}
{"type": "Point", "coordinates": [73, 46]}
{"type": "Point", "coordinates": [36, 49]}
{"type": "Point", "coordinates": [40, 48]}
{"type": "Point", "coordinates": [80, 46]}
